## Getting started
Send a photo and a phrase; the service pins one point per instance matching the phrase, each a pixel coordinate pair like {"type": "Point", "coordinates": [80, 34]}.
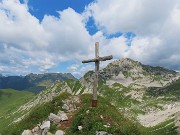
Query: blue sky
{"type": "Point", "coordinates": [55, 36]}
{"type": "Point", "coordinates": [39, 8]}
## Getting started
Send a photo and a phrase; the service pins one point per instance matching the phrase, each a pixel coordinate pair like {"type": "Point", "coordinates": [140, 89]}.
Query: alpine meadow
{"type": "Point", "coordinates": [89, 67]}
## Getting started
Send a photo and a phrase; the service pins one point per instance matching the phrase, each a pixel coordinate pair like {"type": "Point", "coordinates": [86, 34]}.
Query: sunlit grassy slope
{"type": "Point", "coordinates": [10, 101]}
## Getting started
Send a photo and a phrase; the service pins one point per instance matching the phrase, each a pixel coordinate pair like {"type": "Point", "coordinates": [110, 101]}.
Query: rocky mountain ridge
{"type": "Point", "coordinates": [137, 90]}
{"type": "Point", "coordinates": [32, 82]}
{"type": "Point", "coordinates": [132, 73]}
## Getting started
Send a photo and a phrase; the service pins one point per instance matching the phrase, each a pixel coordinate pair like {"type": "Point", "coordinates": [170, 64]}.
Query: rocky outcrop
{"type": "Point", "coordinates": [42, 129]}
{"type": "Point", "coordinates": [45, 127]}
{"type": "Point", "coordinates": [54, 118]}
{"type": "Point", "coordinates": [36, 130]}
{"type": "Point", "coordinates": [61, 116]}
{"type": "Point", "coordinates": [156, 117]}
{"type": "Point", "coordinates": [70, 104]}
{"type": "Point", "coordinates": [132, 73]}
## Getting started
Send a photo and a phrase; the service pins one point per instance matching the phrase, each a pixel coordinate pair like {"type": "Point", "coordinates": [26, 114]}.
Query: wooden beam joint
{"type": "Point", "coordinates": [98, 59]}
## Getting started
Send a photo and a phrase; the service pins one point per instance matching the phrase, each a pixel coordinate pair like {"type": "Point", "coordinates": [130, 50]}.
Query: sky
{"type": "Point", "coordinates": [41, 36]}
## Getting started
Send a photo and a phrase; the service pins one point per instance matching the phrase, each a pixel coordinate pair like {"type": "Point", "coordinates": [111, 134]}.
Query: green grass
{"type": "Point", "coordinates": [92, 122]}
{"type": "Point", "coordinates": [10, 101]}
{"type": "Point", "coordinates": [37, 115]}
{"type": "Point", "coordinates": [117, 97]}
{"type": "Point", "coordinates": [171, 90]}
{"type": "Point", "coordinates": [75, 86]}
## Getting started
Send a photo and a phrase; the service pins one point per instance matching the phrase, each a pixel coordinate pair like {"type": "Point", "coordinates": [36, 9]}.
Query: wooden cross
{"type": "Point", "coordinates": [97, 60]}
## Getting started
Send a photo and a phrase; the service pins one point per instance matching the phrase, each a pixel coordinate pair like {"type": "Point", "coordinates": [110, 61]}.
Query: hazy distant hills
{"type": "Point", "coordinates": [32, 82]}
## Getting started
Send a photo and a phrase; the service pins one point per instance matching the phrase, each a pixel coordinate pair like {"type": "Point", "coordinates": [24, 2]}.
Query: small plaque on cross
{"type": "Point", "coordinates": [97, 60]}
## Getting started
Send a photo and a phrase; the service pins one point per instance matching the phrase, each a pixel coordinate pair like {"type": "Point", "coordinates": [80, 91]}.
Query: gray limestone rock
{"type": "Point", "coordinates": [27, 132]}
{"type": "Point", "coordinates": [36, 130]}
{"type": "Point", "coordinates": [54, 118]}
{"type": "Point", "coordinates": [62, 115]}
{"type": "Point", "coordinates": [59, 132]}
{"type": "Point", "coordinates": [45, 124]}
{"type": "Point", "coordinates": [45, 130]}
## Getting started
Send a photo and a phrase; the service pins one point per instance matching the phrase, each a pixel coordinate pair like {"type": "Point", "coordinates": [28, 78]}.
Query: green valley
{"type": "Point", "coordinates": [10, 101]}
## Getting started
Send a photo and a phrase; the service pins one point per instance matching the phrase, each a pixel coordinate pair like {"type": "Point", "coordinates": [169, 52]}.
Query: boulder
{"type": "Point", "coordinates": [45, 130]}
{"type": "Point", "coordinates": [27, 132]}
{"type": "Point", "coordinates": [59, 132]}
{"type": "Point", "coordinates": [52, 117]}
{"type": "Point", "coordinates": [36, 130]}
{"type": "Point", "coordinates": [45, 124]}
{"type": "Point", "coordinates": [69, 104]}
{"type": "Point", "coordinates": [62, 115]}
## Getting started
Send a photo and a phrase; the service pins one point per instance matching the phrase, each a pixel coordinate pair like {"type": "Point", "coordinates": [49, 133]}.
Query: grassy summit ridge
{"type": "Point", "coordinates": [91, 121]}
{"type": "Point", "coordinates": [121, 105]}
{"type": "Point", "coordinates": [103, 118]}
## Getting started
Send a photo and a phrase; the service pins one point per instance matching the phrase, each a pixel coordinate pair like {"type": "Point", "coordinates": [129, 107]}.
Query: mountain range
{"type": "Point", "coordinates": [32, 82]}
{"type": "Point", "coordinates": [147, 97]}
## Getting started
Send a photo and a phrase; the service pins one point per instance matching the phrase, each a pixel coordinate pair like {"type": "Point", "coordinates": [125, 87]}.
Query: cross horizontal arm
{"type": "Point", "coordinates": [98, 59]}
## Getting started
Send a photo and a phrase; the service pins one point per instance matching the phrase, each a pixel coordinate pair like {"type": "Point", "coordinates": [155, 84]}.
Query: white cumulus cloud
{"type": "Point", "coordinates": [156, 25]}
{"type": "Point", "coordinates": [27, 44]}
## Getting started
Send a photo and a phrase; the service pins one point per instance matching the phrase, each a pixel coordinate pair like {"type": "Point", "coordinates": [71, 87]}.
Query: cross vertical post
{"type": "Point", "coordinates": [97, 60]}
{"type": "Point", "coordinates": [94, 100]}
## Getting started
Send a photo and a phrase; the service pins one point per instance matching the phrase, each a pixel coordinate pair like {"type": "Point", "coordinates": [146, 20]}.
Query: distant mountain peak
{"type": "Point", "coordinates": [129, 72]}
{"type": "Point", "coordinates": [33, 80]}
{"type": "Point", "coordinates": [125, 61]}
